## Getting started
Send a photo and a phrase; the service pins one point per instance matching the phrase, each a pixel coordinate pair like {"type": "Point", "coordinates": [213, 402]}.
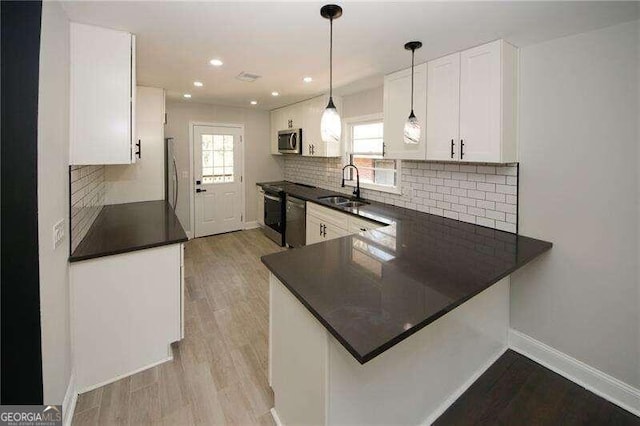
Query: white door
{"type": "Point", "coordinates": [397, 106]}
{"type": "Point", "coordinates": [480, 91]}
{"type": "Point", "coordinates": [443, 108]}
{"type": "Point", "coordinates": [217, 171]}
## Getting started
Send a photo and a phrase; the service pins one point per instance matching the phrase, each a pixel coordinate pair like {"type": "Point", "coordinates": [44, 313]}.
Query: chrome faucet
{"type": "Point", "coordinates": [356, 191]}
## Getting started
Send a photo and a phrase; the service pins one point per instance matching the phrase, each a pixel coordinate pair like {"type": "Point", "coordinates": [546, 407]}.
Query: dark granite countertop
{"type": "Point", "coordinates": [122, 228]}
{"type": "Point", "coordinates": [374, 289]}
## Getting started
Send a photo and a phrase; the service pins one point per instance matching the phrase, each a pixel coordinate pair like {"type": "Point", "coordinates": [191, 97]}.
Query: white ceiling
{"type": "Point", "coordinates": [284, 42]}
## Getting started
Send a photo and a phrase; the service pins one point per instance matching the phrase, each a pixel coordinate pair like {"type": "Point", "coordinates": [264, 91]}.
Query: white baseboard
{"type": "Point", "coordinates": [433, 416]}
{"type": "Point", "coordinates": [85, 389]}
{"type": "Point", "coordinates": [251, 225]}
{"type": "Point", "coordinates": [275, 417]}
{"type": "Point", "coordinates": [608, 387]}
{"type": "Point", "coordinates": [69, 403]}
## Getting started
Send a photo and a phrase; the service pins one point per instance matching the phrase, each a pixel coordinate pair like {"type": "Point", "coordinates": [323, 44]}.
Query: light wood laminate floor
{"type": "Point", "coordinates": [219, 371]}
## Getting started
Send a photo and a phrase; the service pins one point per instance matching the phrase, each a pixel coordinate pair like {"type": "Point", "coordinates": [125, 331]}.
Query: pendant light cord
{"type": "Point", "coordinates": [331, 59]}
{"type": "Point", "coordinates": [413, 53]}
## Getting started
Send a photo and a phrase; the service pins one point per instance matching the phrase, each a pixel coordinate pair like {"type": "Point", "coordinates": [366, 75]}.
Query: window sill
{"type": "Point", "coordinates": [374, 187]}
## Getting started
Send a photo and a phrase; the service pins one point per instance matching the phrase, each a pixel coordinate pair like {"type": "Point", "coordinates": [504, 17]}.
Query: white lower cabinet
{"type": "Point", "coordinates": [327, 224]}
{"type": "Point", "coordinates": [126, 311]}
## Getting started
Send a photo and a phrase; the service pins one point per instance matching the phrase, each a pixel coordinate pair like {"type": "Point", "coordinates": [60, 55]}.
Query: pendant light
{"type": "Point", "coordinates": [330, 124]}
{"type": "Point", "coordinates": [412, 126]}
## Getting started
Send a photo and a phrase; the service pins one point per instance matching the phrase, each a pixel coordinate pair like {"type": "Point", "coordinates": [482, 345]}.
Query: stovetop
{"type": "Point", "coordinates": [280, 186]}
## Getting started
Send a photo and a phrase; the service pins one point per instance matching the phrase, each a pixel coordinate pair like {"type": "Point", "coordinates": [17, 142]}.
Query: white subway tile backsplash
{"type": "Point", "coordinates": [488, 187]}
{"type": "Point", "coordinates": [483, 221]}
{"type": "Point", "coordinates": [493, 196]}
{"type": "Point", "coordinates": [482, 194]}
{"type": "Point", "coordinates": [87, 199]}
{"type": "Point", "coordinates": [487, 170]}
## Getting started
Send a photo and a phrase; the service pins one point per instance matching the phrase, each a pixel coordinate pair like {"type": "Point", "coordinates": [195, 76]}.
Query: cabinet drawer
{"type": "Point", "coordinates": [325, 214]}
{"type": "Point", "coordinates": [357, 224]}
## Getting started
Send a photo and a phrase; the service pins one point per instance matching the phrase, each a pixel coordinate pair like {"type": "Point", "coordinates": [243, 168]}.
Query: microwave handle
{"type": "Point", "coordinates": [291, 137]}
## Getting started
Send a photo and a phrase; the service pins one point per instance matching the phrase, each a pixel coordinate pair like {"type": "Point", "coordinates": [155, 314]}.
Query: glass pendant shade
{"type": "Point", "coordinates": [412, 130]}
{"type": "Point", "coordinates": [330, 124]}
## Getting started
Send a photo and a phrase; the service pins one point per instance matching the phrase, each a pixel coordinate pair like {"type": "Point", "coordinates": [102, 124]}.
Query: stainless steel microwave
{"type": "Point", "coordinates": [290, 141]}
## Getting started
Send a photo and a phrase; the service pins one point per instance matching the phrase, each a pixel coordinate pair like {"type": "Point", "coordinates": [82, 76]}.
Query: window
{"type": "Point", "coordinates": [365, 148]}
{"type": "Point", "coordinates": [217, 158]}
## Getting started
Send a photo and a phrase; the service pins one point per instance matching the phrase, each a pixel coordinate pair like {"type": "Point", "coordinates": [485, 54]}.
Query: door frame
{"type": "Point", "coordinates": [192, 184]}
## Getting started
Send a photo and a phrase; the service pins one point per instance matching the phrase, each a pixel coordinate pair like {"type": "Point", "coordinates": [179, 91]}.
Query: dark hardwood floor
{"type": "Point", "coordinates": [517, 391]}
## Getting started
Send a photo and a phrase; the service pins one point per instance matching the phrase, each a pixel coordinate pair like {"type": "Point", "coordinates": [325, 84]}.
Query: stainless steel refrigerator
{"type": "Point", "coordinates": [170, 173]}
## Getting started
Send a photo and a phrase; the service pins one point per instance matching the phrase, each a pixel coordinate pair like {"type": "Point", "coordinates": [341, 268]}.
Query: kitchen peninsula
{"type": "Point", "coordinates": [388, 326]}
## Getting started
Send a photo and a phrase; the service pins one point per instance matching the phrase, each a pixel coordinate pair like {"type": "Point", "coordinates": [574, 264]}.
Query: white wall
{"type": "Point", "coordinates": [259, 164]}
{"type": "Point", "coordinates": [579, 189]}
{"type": "Point", "coordinates": [53, 200]}
{"type": "Point", "coordinates": [363, 103]}
{"type": "Point", "coordinates": [144, 180]}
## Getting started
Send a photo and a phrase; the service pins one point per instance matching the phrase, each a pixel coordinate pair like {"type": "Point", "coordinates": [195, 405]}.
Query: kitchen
{"type": "Point", "coordinates": [321, 240]}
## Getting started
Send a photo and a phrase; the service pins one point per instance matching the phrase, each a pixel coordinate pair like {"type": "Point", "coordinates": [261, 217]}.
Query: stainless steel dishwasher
{"type": "Point", "coordinates": [296, 230]}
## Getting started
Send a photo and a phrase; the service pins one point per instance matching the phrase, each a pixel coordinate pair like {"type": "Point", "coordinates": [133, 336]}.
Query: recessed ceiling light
{"type": "Point", "coordinates": [198, 83]}
{"type": "Point", "coordinates": [275, 94]}
{"type": "Point", "coordinates": [187, 95]}
{"type": "Point", "coordinates": [307, 79]}
{"type": "Point", "coordinates": [254, 102]}
{"type": "Point", "coordinates": [215, 62]}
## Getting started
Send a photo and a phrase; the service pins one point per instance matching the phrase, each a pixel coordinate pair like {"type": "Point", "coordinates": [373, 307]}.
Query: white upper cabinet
{"type": "Point", "coordinates": [488, 87]}
{"type": "Point", "coordinates": [466, 104]}
{"type": "Point", "coordinates": [443, 108]}
{"type": "Point", "coordinates": [312, 143]}
{"type": "Point", "coordinates": [397, 106]}
{"type": "Point", "coordinates": [305, 115]}
{"type": "Point", "coordinates": [102, 98]}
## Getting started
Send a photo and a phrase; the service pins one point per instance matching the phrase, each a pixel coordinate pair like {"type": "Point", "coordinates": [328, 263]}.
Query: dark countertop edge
{"type": "Point", "coordinates": [362, 359]}
{"type": "Point", "coordinates": [73, 258]}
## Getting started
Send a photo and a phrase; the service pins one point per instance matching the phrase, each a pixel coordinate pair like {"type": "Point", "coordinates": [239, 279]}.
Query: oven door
{"type": "Point", "coordinates": [289, 141]}
{"type": "Point", "coordinates": [273, 217]}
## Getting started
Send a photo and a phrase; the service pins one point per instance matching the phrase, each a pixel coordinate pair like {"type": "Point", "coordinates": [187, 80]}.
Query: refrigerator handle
{"type": "Point", "coordinates": [175, 192]}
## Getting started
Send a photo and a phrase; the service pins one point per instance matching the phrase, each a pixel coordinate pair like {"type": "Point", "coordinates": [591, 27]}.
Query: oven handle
{"type": "Point", "coordinates": [271, 197]}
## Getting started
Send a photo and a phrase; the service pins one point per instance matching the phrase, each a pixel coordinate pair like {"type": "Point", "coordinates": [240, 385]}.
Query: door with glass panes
{"type": "Point", "coordinates": [217, 168]}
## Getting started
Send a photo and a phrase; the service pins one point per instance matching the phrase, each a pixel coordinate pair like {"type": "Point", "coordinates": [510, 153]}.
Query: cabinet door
{"type": "Point", "coordinates": [480, 103]}
{"type": "Point", "coordinates": [311, 138]}
{"type": "Point", "coordinates": [101, 95]}
{"type": "Point", "coordinates": [260, 218]}
{"type": "Point", "coordinates": [443, 108]}
{"type": "Point", "coordinates": [314, 230]}
{"type": "Point", "coordinates": [332, 232]}
{"type": "Point", "coordinates": [357, 225]}
{"type": "Point", "coordinates": [397, 106]}
{"type": "Point", "coordinates": [312, 111]}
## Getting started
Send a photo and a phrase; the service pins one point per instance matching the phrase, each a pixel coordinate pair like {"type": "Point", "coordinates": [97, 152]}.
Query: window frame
{"type": "Point", "coordinates": [348, 123]}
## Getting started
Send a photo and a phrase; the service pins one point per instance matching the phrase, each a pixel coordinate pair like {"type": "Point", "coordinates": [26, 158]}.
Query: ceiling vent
{"type": "Point", "coordinates": [245, 76]}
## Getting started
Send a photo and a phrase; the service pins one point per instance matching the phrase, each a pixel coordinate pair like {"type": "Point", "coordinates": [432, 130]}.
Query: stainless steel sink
{"type": "Point", "coordinates": [335, 199]}
{"type": "Point", "coordinates": [352, 204]}
{"type": "Point", "coordinates": [342, 201]}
